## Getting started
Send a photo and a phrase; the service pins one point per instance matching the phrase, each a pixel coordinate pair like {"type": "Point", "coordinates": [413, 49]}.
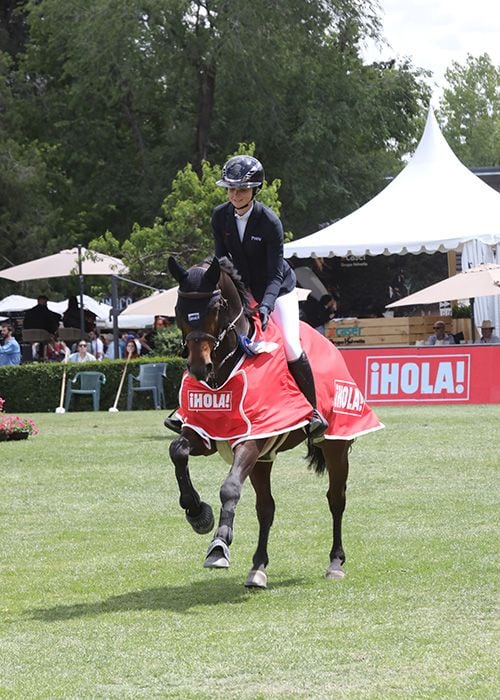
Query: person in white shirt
{"type": "Point", "coordinates": [82, 355]}
{"type": "Point", "coordinates": [96, 346]}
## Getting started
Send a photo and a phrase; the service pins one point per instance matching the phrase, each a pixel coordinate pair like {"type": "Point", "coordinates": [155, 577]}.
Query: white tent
{"type": "Point", "coordinates": [434, 204]}
{"type": "Point", "coordinates": [17, 302]}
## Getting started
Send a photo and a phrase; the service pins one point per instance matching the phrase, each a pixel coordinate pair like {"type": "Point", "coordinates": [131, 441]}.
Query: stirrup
{"type": "Point", "coordinates": [174, 424]}
{"type": "Point", "coordinates": [317, 425]}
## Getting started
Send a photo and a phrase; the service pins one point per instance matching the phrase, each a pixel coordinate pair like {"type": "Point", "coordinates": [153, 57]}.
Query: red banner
{"type": "Point", "coordinates": [430, 375]}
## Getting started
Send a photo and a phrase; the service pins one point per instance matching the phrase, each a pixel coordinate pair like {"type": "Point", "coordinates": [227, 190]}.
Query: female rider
{"type": "Point", "coordinates": [251, 236]}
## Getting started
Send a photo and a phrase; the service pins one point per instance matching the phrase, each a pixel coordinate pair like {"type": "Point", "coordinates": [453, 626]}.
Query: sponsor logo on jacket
{"type": "Point", "coordinates": [210, 401]}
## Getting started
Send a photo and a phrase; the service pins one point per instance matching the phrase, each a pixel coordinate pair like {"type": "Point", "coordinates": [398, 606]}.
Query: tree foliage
{"type": "Point", "coordinates": [470, 111]}
{"type": "Point", "coordinates": [184, 229]}
{"type": "Point", "coordinates": [112, 110]}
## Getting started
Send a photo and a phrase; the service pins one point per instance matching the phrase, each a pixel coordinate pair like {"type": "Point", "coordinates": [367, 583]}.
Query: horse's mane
{"type": "Point", "coordinates": [227, 266]}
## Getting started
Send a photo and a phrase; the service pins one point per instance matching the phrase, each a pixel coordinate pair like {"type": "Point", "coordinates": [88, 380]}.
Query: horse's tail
{"type": "Point", "coordinates": [315, 457]}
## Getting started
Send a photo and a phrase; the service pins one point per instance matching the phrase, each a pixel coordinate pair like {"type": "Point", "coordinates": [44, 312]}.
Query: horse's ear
{"type": "Point", "coordinates": [213, 273]}
{"type": "Point", "coordinates": [176, 270]}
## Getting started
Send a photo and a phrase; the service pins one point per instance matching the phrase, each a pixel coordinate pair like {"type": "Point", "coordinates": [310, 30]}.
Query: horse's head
{"type": "Point", "coordinates": [208, 306]}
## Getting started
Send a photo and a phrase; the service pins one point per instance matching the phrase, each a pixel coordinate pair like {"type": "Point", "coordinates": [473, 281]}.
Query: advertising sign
{"type": "Point", "coordinates": [430, 375]}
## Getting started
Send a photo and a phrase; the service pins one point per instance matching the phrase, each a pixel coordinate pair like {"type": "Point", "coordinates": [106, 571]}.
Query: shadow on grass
{"type": "Point", "coordinates": [180, 599]}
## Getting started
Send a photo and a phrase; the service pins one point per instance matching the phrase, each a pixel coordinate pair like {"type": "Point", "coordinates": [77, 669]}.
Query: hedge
{"type": "Point", "coordinates": [36, 387]}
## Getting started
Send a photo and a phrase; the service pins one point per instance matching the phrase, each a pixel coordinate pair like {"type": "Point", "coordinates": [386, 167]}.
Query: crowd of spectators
{"type": "Point", "coordinates": [92, 344]}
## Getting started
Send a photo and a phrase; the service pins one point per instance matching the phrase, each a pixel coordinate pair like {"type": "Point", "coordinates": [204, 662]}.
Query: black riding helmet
{"type": "Point", "coordinates": [242, 172]}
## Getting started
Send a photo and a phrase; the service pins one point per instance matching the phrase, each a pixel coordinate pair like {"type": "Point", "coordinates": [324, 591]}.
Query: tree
{"type": "Point", "coordinates": [184, 229]}
{"type": "Point", "coordinates": [470, 111]}
{"type": "Point", "coordinates": [112, 98]}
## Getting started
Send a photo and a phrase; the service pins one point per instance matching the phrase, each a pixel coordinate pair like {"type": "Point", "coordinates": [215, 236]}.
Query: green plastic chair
{"type": "Point", "coordinates": [85, 383]}
{"type": "Point", "coordinates": [150, 378]}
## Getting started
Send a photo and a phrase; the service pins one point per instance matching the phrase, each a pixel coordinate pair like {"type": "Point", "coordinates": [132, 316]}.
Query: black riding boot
{"type": "Point", "coordinates": [301, 371]}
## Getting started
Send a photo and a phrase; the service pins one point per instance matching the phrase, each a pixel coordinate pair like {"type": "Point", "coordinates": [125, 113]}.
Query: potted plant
{"type": "Point", "coordinates": [15, 427]}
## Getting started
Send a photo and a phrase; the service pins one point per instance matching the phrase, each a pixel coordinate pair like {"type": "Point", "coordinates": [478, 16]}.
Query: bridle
{"type": "Point", "coordinates": [215, 299]}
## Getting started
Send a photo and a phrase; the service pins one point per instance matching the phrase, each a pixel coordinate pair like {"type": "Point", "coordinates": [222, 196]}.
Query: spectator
{"type": "Point", "coordinates": [132, 336]}
{"type": "Point", "coordinates": [55, 350]}
{"type": "Point", "coordinates": [146, 349]}
{"type": "Point", "coordinates": [131, 349]}
{"type": "Point", "coordinates": [487, 335]}
{"type": "Point", "coordinates": [40, 316]}
{"type": "Point", "coordinates": [317, 313]}
{"type": "Point", "coordinates": [398, 288]}
{"type": "Point", "coordinates": [96, 346]}
{"type": "Point", "coordinates": [82, 355]}
{"type": "Point", "coordinates": [10, 352]}
{"type": "Point", "coordinates": [440, 337]}
{"type": "Point", "coordinates": [160, 323]}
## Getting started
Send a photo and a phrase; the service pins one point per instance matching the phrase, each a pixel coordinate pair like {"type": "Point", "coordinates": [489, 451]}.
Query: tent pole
{"type": "Point", "coordinates": [80, 279]}
{"type": "Point", "coordinates": [472, 322]}
{"type": "Point", "coordinates": [114, 313]}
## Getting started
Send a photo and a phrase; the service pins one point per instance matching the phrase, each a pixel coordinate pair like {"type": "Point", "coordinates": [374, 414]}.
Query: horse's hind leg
{"type": "Point", "coordinates": [265, 507]}
{"type": "Point", "coordinates": [337, 459]}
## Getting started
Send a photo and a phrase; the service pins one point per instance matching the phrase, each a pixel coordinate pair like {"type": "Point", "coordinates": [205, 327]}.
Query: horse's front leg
{"type": "Point", "coordinates": [244, 458]}
{"type": "Point", "coordinates": [198, 514]}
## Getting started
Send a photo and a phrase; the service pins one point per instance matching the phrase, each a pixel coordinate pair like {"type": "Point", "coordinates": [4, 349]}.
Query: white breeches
{"type": "Point", "coordinates": [286, 317]}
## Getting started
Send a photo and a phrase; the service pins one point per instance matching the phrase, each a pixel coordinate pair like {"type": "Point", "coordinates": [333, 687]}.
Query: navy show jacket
{"type": "Point", "coordinates": [259, 257]}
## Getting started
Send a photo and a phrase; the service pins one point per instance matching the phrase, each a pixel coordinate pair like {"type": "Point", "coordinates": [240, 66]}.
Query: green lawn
{"type": "Point", "coordinates": [103, 593]}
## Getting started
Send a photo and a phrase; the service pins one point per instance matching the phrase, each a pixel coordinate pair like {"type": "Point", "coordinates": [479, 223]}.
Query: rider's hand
{"type": "Point", "coordinates": [264, 312]}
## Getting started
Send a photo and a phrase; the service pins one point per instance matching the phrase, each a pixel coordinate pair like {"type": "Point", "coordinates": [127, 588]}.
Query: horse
{"type": "Point", "coordinates": [217, 320]}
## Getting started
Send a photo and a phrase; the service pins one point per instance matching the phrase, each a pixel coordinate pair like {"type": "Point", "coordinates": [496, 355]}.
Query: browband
{"type": "Point", "coordinates": [199, 295]}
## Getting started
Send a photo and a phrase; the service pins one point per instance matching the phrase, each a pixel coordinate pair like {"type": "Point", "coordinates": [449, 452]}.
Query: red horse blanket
{"type": "Point", "coordinates": [261, 399]}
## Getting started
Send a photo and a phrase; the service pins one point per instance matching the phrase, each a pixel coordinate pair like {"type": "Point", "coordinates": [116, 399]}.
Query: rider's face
{"type": "Point", "coordinates": [241, 199]}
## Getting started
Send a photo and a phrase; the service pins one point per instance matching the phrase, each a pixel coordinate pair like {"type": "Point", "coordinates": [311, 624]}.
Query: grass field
{"type": "Point", "coordinates": [103, 593]}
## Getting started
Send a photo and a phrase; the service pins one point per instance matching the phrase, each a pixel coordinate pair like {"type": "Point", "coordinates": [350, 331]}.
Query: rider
{"type": "Point", "coordinates": [251, 236]}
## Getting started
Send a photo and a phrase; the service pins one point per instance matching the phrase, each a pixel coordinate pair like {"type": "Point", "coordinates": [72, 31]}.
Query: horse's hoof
{"type": "Point", "coordinates": [256, 579]}
{"type": "Point", "coordinates": [203, 523]}
{"type": "Point", "coordinates": [335, 570]}
{"type": "Point", "coordinates": [217, 555]}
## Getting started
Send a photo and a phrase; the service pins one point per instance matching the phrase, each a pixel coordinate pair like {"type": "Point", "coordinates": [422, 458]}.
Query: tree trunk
{"type": "Point", "coordinates": [206, 94]}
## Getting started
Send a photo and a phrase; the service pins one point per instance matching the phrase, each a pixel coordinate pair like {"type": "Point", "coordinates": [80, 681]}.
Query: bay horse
{"type": "Point", "coordinates": [216, 321]}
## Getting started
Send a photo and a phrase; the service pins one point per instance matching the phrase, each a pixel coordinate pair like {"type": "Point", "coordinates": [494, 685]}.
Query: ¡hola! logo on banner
{"type": "Point", "coordinates": [418, 377]}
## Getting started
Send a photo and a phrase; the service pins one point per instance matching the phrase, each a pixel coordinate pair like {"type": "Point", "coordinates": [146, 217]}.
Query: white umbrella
{"type": "Point", "coordinates": [77, 261]}
{"type": "Point", "coordinates": [64, 264]}
{"type": "Point", "coordinates": [158, 304]}
{"type": "Point", "coordinates": [163, 303]}
{"type": "Point", "coordinates": [480, 281]}
{"type": "Point", "coordinates": [102, 311]}
{"type": "Point", "coordinates": [16, 302]}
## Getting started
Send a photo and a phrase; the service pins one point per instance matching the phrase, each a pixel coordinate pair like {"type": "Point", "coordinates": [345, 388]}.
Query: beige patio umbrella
{"type": "Point", "coordinates": [163, 303]}
{"type": "Point", "coordinates": [158, 304]}
{"type": "Point", "coordinates": [480, 281]}
{"type": "Point", "coordinates": [76, 261]}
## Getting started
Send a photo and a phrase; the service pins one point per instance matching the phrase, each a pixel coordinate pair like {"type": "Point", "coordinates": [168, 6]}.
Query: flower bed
{"type": "Point", "coordinates": [15, 427]}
